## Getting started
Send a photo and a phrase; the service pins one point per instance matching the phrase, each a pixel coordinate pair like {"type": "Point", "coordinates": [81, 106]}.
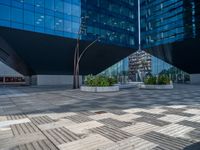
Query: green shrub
{"type": "Point", "coordinates": [160, 80]}
{"type": "Point", "coordinates": [150, 80]}
{"type": "Point", "coordinates": [91, 80]}
{"type": "Point", "coordinates": [163, 79]}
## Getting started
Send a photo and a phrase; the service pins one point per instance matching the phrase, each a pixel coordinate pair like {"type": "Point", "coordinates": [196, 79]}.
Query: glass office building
{"type": "Point", "coordinates": [170, 31]}
{"type": "Point", "coordinates": [113, 21]}
{"type": "Point", "coordinates": [57, 17]}
{"type": "Point", "coordinates": [119, 69]}
{"type": "Point", "coordinates": [50, 28]}
{"type": "Point", "coordinates": [167, 21]}
{"type": "Point", "coordinates": [39, 36]}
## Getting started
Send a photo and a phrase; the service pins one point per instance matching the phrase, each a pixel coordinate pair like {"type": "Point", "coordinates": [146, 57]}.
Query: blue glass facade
{"type": "Point", "coordinates": [118, 69]}
{"type": "Point", "coordinates": [170, 30]}
{"type": "Point", "coordinates": [115, 22]}
{"type": "Point", "coordinates": [168, 21]}
{"type": "Point", "coordinates": [57, 17]}
{"type": "Point", "coordinates": [159, 65]}
{"type": "Point", "coordinates": [55, 26]}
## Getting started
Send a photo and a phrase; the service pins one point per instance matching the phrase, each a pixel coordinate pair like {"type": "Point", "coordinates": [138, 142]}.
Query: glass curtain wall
{"type": "Point", "coordinates": [161, 67]}
{"type": "Point", "coordinates": [167, 21]}
{"type": "Point", "coordinates": [114, 21]}
{"type": "Point", "coordinates": [57, 17]}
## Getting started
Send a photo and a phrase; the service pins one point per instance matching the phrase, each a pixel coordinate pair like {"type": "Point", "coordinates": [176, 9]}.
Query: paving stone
{"type": "Point", "coordinates": [177, 111]}
{"type": "Point", "coordinates": [5, 133]}
{"type": "Point", "coordinates": [174, 109]}
{"type": "Point", "coordinates": [3, 118]}
{"type": "Point", "coordinates": [13, 141]}
{"type": "Point", "coordinates": [159, 148]}
{"type": "Point", "coordinates": [190, 124]}
{"type": "Point", "coordinates": [156, 110]}
{"type": "Point", "coordinates": [194, 134]}
{"type": "Point", "coordinates": [61, 135]}
{"type": "Point", "coordinates": [195, 118]}
{"type": "Point", "coordinates": [193, 111]}
{"type": "Point", "coordinates": [16, 116]}
{"type": "Point", "coordinates": [60, 115]}
{"type": "Point", "coordinates": [103, 116]}
{"type": "Point", "coordinates": [149, 115]}
{"type": "Point", "coordinates": [173, 118]}
{"type": "Point", "coordinates": [132, 143]}
{"type": "Point", "coordinates": [24, 128]}
{"type": "Point", "coordinates": [165, 141]}
{"type": "Point", "coordinates": [117, 112]}
{"type": "Point", "coordinates": [92, 142]}
{"type": "Point", "coordinates": [83, 128]}
{"type": "Point", "coordinates": [115, 123]}
{"type": "Point", "coordinates": [12, 122]}
{"type": "Point", "coordinates": [153, 121]}
{"type": "Point", "coordinates": [41, 120]}
{"type": "Point", "coordinates": [79, 118]}
{"type": "Point", "coordinates": [140, 128]}
{"type": "Point", "coordinates": [175, 130]}
{"type": "Point", "coordinates": [86, 113]}
{"type": "Point", "coordinates": [133, 110]}
{"type": "Point", "coordinates": [56, 124]}
{"type": "Point", "coordinates": [173, 115]}
{"type": "Point", "coordinates": [36, 145]}
{"type": "Point", "coordinates": [126, 117]}
{"type": "Point", "coordinates": [112, 133]}
{"type": "Point", "coordinates": [179, 107]}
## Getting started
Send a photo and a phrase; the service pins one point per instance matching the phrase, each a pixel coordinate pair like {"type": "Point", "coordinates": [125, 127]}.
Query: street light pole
{"type": "Point", "coordinates": [79, 59]}
{"type": "Point", "coordinates": [77, 56]}
{"type": "Point", "coordinates": [76, 53]}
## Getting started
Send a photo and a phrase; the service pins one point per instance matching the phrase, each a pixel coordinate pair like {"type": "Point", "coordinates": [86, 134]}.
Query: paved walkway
{"type": "Point", "coordinates": [55, 118]}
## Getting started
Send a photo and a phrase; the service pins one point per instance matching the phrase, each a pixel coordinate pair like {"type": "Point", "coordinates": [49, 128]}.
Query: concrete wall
{"type": "Point", "coordinates": [53, 80]}
{"type": "Point", "coordinates": [195, 78]}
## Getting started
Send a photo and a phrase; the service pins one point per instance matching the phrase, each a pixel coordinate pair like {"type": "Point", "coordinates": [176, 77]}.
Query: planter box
{"type": "Point", "coordinates": [128, 85]}
{"type": "Point", "coordinates": [156, 87]}
{"type": "Point", "coordinates": [100, 89]}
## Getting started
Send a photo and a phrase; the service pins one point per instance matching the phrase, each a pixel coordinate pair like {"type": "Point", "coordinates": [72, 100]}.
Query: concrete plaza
{"type": "Point", "coordinates": [60, 118]}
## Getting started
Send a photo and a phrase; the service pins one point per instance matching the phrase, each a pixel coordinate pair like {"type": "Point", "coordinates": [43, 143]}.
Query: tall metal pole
{"type": "Point", "coordinates": [76, 55]}
{"type": "Point", "coordinates": [75, 60]}
{"type": "Point", "coordinates": [139, 26]}
{"type": "Point", "coordinates": [81, 55]}
{"type": "Point", "coordinates": [77, 65]}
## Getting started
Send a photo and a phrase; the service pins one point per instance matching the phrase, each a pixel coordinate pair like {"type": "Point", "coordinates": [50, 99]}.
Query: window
{"type": "Point", "coordinates": [59, 5]}
{"type": "Point", "coordinates": [75, 27]}
{"type": "Point", "coordinates": [29, 2]}
{"type": "Point", "coordinates": [67, 8]}
{"type": "Point", "coordinates": [39, 20]}
{"type": "Point", "coordinates": [75, 10]}
{"type": "Point", "coordinates": [5, 2]}
{"type": "Point", "coordinates": [39, 3]}
{"type": "Point", "coordinates": [67, 26]}
{"type": "Point", "coordinates": [49, 22]}
{"type": "Point", "coordinates": [17, 15]}
{"type": "Point", "coordinates": [5, 12]}
{"type": "Point", "coordinates": [49, 4]}
{"type": "Point", "coordinates": [28, 17]}
{"type": "Point", "coordinates": [59, 24]}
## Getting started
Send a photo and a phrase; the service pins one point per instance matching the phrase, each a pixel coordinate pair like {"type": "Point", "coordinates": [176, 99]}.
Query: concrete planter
{"type": "Point", "coordinates": [156, 87]}
{"type": "Point", "coordinates": [128, 85]}
{"type": "Point", "coordinates": [100, 89]}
